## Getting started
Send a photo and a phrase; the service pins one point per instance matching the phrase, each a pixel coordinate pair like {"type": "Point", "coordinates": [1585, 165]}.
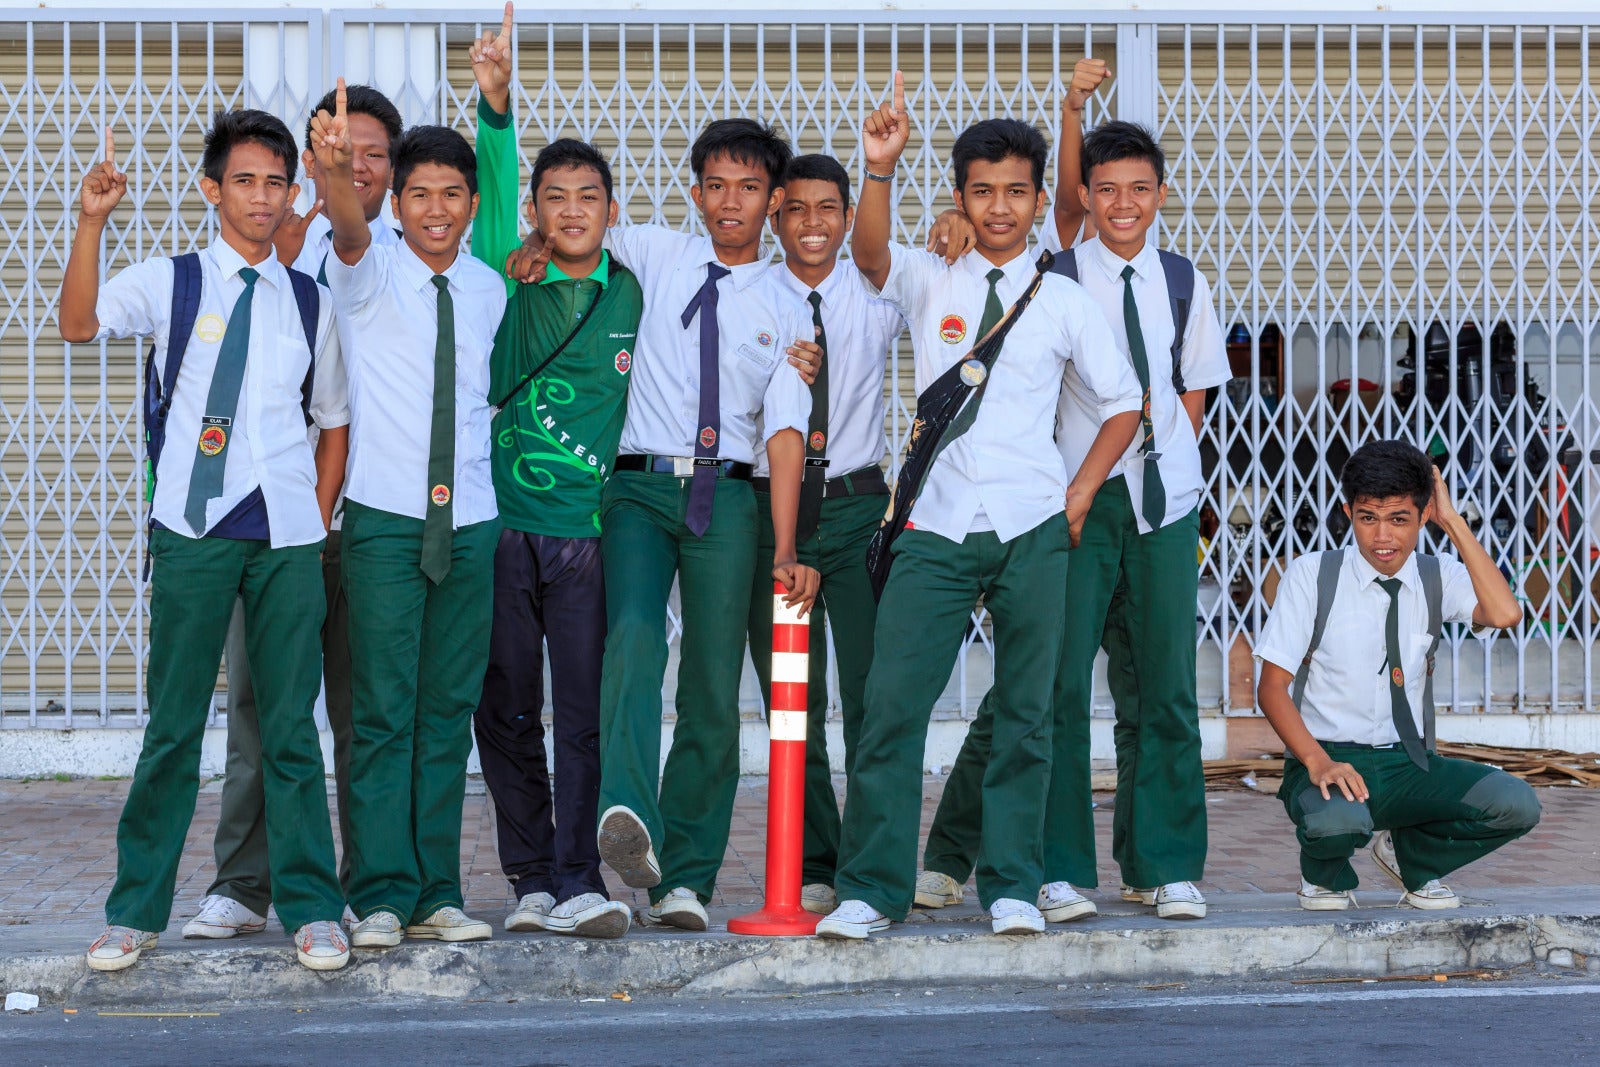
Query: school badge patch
{"type": "Point", "coordinates": [1397, 676]}
{"type": "Point", "coordinates": [973, 372]}
{"type": "Point", "coordinates": [953, 329]}
{"type": "Point", "coordinates": [708, 438]}
{"type": "Point", "coordinates": [623, 361]}
{"type": "Point", "coordinates": [213, 439]}
{"type": "Point", "coordinates": [441, 495]}
{"type": "Point", "coordinates": [764, 338]}
{"type": "Point", "coordinates": [210, 328]}
{"type": "Point", "coordinates": [818, 439]}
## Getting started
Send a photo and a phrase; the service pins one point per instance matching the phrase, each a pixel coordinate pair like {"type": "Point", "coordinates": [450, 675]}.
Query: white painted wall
{"type": "Point", "coordinates": [1272, 9]}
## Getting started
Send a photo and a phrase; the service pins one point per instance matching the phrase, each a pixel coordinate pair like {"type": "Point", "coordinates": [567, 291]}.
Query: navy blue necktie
{"type": "Point", "coordinates": [703, 486]}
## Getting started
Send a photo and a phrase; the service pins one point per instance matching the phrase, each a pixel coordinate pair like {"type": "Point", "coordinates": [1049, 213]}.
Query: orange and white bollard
{"type": "Point", "coordinates": [786, 780]}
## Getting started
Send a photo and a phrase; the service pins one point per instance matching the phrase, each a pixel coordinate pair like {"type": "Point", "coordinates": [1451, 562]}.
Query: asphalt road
{"type": "Point", "coordinates": [1542, 1020]}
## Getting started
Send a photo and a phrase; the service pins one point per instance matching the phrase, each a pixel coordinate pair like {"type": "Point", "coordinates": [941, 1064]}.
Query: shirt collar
{"type": "Point", "coordinates": [1145, 263]}
{"type": "Point", "coordinates": [417, 273]}
{"type": "Point", "coordinates": [230, 263]}
{"type": "Point", "coordinates": [1366, 574]}
{"type": "Point", "coordinates": [705, 253]}
{"type": "Point", "coordinates": [601, 272]}
{"type": "Point", "coordinates": [828, 288]}
{"type": "Point", "coordinates": [1019, 267]}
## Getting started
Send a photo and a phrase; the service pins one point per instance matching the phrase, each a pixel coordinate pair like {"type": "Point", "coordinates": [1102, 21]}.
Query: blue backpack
{"type": "Point", "coordinates": [1180, 293]}
{"type": "Point", "coordinates": [158, 385]}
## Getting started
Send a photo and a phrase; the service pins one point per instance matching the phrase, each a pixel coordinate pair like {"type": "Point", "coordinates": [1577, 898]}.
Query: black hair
{"type": "Point", "coordinates": [360, 100]}
{"type": "Point", "coordinates": [1113, 141]}
{"type": "Point", "coordinates": [246, 126]}
{"type": "Point", "coordinates": [746, 141]}
{"type": "Point", "coordinates": [818, 168]}
{"type": "Point", "coordinates": [569, 152]}
{"type": "Point", "coordinates": [993, 140]}
{"type": "Point", "coordinates": [432, 144]}
{"type": "Point", "coordinates": [1379, 470]}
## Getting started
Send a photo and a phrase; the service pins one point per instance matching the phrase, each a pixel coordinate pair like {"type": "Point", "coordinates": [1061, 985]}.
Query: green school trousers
{"type": "Point", "coordinates": [418, 653]}
{"type": "Point", "coordinates": [193, 586]}
{"type": "Point", "coordinates": [922, 618]}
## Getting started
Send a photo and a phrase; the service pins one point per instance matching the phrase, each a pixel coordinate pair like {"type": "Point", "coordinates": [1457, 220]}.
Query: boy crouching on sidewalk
{"type": "Point", "coordinates": [1353, 633]}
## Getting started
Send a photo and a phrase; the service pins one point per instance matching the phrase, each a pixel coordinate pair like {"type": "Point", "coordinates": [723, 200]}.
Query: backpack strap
{"type": "Point", "coordinates": [1327, 586]}
{"type": "Point", "coordinates": [159, 383]}
{"type": "Point", "coordinates": [309, 301]}
{"type": "Point", "coordinates": [1066, 264]}
{"type": "Point", "coordinates": [1180, 294]}
{"type": "Point", "coordinates": [1433, 591]}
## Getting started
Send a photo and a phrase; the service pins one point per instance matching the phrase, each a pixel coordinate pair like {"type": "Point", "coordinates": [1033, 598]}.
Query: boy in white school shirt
{"type": "Point", "coordinates": [1352, 632]}
{"type": "Point", "coordinates": [238, 513]}
{"type": "Point", "coordinates": [420, 524]}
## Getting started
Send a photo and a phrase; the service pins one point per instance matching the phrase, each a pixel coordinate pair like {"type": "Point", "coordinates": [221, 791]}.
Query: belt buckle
{"type": "Point", "coordinates": [683, 466]}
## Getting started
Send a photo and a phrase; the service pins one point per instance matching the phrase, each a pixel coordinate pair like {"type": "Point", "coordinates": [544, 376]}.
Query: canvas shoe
{"type": "Point", "coordinates": [624, 843]}
{"type": "Point", "coordinates": [1180, 900]}
{"type": "Point", "coordinates": [381, 929]}
{"type": "Point", "coordinates": [818, 898]}
{"type": "Point", "coordinates": [935, 890]}
{"type": "Point", "coordinates": [1008, 916]}
{"type": "Point", "coordinates": [119, 947]}
{"type": "Point", "coordinates": [322, 946]}
{"type": "Point", "coordinates": [589, 915]}
{"type": "Point", "coordinates": [450, 923]}
{"type": "Point", "coordinates": [1433, 895]}
{"type": "Point", "coordinates": [348, 920]}
{"type": "Point", "coordinates": [1060, 903]}
{"type": "Point", "coordinates": [221, 916]}
{"type": "Point", "coordinates": [852, 920]}
{"type": "Point", "coordinates": [680, 908]}
{"type": "Point", "coordinates": [532, 912]}
{"type": "Point", "coordinates": [1134, 895]}
{"type": "Point", "coordinates": [1316, 898]}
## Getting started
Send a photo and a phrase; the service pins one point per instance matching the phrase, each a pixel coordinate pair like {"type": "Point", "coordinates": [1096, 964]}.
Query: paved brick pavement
{"type": "Point", "coordinates": [58, 849]}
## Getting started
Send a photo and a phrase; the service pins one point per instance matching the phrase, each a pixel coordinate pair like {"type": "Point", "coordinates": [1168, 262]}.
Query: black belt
{"type": "Point", "coordinates": [683, 466]}
{"type": "Point", "coordinates": [868, 481]}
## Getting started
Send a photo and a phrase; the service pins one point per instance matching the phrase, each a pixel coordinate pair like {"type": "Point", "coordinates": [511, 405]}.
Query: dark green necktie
{"type": "Point", "coordinates": [216, 425]}
{"type": "Point", "coordinates": [816, 469]}
{"type": "Point", "coordinates": [1154, 505]}
{"type": "Point", "coordinates": [439, 524]}
{"type": "Point", "coordinates": [992, 308]}
{"type": "Point", "coordinates": [1399, 706]}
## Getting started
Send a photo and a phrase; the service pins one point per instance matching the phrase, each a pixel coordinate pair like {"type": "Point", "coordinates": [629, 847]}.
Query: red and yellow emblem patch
{"type": "Point", "coordinates": [708, 437]}
{"type": "Point", "coordinates": [213, 439]}
{"type": "Point", "coordinates": [952, 329]}
{"type": "Point", "coordinates": [441, 495]}
{"type": "Point", "coordinates": [818, 439]}
{"type": "Point", "coordinates": [624, 361]}
{"type": "Point", "coordinates": [1398, 677]}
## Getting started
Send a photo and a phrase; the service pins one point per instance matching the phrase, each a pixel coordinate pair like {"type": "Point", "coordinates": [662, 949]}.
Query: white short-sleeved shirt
{"type": "Point", "coordinates": [860, 328]}
{"type": "Point", "coordinates": [758, 318]}
{"type": "Point", "coordinates": [1005, 473]}
{"type": "Point", "coordinates": [388, 310]}
{"type": "Point", "coordinates": [1347, 687]}
{"type": "Point", "coordinates": [313, 254]}
{"type": "Point", "coordinates": [1204, 363]}
{"type": "Point", "coordinates": [268, 447]}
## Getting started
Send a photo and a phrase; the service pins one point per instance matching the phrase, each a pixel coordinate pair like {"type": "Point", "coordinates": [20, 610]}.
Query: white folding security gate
{"type": "Point", "coordinates": [1395, 214]}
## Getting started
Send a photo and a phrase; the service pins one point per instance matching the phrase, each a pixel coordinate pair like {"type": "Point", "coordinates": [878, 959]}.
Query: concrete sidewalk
{"type": "Point", "coordinates": [1535, 903]}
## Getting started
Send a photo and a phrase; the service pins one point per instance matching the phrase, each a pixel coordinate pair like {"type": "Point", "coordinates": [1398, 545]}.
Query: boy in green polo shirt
{"type": "Point", "coordinates": [559, 377]}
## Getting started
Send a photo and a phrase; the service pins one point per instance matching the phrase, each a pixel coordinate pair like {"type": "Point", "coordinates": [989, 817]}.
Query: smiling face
{"type": "Point", "coordinates": [434, 210]}
{"type": "Point", "coordinates": [812, 225]}
{"type": "Point", "coordinates": [735, 199]}
{"type": "Point", "coordinates": [1386, 530]}
{"type": "Point", "coordinates": [1001, 202]}
{"type": "Point", "coordinates": [252, 199]}
{"type": "Point", "coordinates": [1123, 198]}
{"type": "Point", "coordinates": [571, 209]}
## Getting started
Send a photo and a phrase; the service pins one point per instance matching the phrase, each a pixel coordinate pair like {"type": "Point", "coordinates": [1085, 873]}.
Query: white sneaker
{"type": "Point", "coordinates": [221, 916]}
{"type": "Point", "coordinates": [381, 929]}
{"type": "Point", "coordinates": [450, 923]}
{"type": "Point", "coordinates": [1180, 900]}
{"type": "Point", "coordinates": [590, 915]}
{"type": "Point", "coordinates": [1060, 903]}
{"type": "Point", "coordinates": [1008, 916]}
{"type": "Point", "coordinates": [680, 908]}
{"type": "Point", "coordinates": [817, 898]}
{"type": "Point", "coordinates": [1316, 898]}
{"type": "Point", "coordinates": [532, 912]}
{"type": "Point", "coordinates": [1133, 895]}
{"type": "Point", "coordinates": [119, 947]}
{"type": "Point", "coordinates": [935, 890]}
{"type": "Point", "coordinates": [348, 920]}
{"type": "Point", "coordinates": [852, 920]}
{"type": "Point", "coordinates": [322, 946]}
{"type": "Point", "coordinates": [1433, 895]}
{"type": "Point", "coordinates": [624, 843]}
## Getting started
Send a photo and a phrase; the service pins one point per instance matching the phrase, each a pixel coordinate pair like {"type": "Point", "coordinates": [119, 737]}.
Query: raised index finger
{"type": "Point", "coordinates": [899, 91]}
{"type": "Point", "coordinates": [508, 23]}
{"type": "Point", "coordinates": [111, 147]}
{"type": "Point", "coordinates": [339, 99]}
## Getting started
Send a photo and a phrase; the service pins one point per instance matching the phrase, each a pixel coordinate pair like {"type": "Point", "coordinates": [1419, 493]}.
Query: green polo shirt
{"type": "Point", "coordinates": [556, 440]}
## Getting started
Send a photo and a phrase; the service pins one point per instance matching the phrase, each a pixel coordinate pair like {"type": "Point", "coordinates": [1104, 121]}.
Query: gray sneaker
{"type": "Point", "coordinates": [381, 929]}
{"type": "Point", "coordinates": [590, 915]}
{"type": "Point", "coordinates": [532, 912]}
{"type": "Point", "coordinates": [119, 947]}
{"type": "Point", "coordinates": [624, 843]}
{"type": "Point", "coordinates": [680, 908]}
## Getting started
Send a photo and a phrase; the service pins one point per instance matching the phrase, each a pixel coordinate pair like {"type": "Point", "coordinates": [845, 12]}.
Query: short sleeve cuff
{"type": "Point", "coordinates": [1279, 658]}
